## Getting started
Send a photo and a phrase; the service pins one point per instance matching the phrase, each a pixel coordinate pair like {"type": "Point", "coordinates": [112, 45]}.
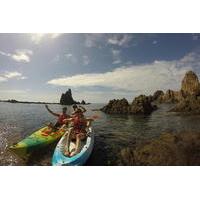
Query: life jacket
{"type": "Point", "coordinates": [79, 124]}
{"type": "Point", "coordinates": [61, 118]}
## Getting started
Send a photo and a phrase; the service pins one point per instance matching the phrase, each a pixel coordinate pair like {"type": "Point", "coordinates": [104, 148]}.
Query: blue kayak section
{"type": "Point", "coordinates": [59, 159]}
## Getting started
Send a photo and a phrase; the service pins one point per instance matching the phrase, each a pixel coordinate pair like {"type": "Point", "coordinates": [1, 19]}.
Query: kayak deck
{"type": "Point", "coordinates": [85, 151]}
{"type": "Point", "coordinates": [37, 139]}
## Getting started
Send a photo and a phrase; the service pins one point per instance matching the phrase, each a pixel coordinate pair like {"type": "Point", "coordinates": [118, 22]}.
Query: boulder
{"type": "Point", "coordinates": [168, 149]}
{"type": "Point", "coordinates": [142, 105]}
{"type": "Point", "coordinates": [157, 95]}
{"type": "Point", "coordinates": [116, 107]}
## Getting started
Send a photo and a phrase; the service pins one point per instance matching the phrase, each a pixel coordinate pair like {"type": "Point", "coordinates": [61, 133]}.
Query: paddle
{"type": "Point", "coordinates": [94, 117]}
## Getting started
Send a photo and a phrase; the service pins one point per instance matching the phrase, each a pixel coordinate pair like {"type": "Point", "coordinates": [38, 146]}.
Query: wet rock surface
{"type": "Point", "coordinates": [168, 149]}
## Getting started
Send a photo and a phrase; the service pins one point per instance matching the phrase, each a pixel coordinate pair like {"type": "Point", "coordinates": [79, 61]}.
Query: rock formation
{"type": "Point", "coordinates": [190, 91]}
{"type": "Point", "coordinates": [190, 84]}
{"type": "Point", "coordinates": [67, 99]}
{"type": "Point", "coordinates": [157, 95]}
{"type": "Point", "coordinates": [140, 105]}
{"type": "Point", "coordinates": [168, 149]}
{"type": "Point", "coordinates": [116, 106]}
{"type": "Point", "coordinates": [83, 102]}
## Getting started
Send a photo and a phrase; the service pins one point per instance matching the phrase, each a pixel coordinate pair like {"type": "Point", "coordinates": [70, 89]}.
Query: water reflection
{"type": "Point", "coordinates": [113, 132]}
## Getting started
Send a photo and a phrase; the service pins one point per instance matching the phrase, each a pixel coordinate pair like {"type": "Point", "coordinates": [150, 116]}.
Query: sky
{"type": "Point", "coordinates": [97, 67]}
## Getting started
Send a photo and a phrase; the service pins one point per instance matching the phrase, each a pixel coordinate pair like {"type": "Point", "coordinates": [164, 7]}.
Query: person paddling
{"type": "Point", "coordinates": [61, 117]}
{"type": "Point", "coordinates": [78, 132]}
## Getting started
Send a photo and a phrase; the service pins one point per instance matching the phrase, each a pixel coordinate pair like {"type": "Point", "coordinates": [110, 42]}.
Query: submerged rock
{"type": "Point", "coordinates": [168, 149]}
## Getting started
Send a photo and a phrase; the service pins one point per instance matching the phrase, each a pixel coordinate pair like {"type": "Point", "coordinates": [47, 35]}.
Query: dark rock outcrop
{"type": "Point", "coordinates": [83, 102]}
{"type": "Point", "coordinates": [168, 149]}
{"type": "Point", "coordinates": [157, 95]}
{"type": "Point", "coordinates": [116, 106]}
{"type": "Point", "coordinates": [140, 105]}
{"type": "Point", "coordinates": [67, 99]}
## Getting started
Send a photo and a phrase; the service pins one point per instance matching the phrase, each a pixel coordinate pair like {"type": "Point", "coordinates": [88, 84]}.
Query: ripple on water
{"type": "Point", "coordinates": [113, 132]}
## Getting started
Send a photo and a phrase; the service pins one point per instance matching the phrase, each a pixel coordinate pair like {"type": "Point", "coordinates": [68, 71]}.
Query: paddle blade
{"type": "Point", "coordinates": [95, 117]}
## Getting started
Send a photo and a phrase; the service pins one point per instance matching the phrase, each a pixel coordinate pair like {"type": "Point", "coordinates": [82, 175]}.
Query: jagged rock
{"type": "Point", "coordinates": [190, 91]}
{"type": "Point", "coordinates": [142, 105]}
{"type": "Point", "coordinates": [188, 105]}
{"type": "Point", "coordinates": [157, 95]}
{"type": "Point", "coordinates": [190, 84]}
{"type": "Point", "coordinates": [168, 149]}
{"type": "Point", "coordinates": [116, 107]}
{"type": "Point", "coordinates": [83, 102]}
{"type": "Point", "coordinates": [171, 97]}
{"type": "Point", "coordinates": [67, 99]}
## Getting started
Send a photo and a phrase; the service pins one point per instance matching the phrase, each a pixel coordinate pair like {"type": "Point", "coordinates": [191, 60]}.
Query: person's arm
{"type": "Point", "coordinates": [68, 120]}
{"type": "Point", "coordinates": [89, 121]}
{"type": "Point", "coordinates": [83, 109]}
{"type": "Point", "coordinates": [50, 111]}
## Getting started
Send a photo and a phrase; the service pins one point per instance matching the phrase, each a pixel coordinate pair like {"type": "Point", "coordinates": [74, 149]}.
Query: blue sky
{"type": "Point", "coordinates": [97, 67]}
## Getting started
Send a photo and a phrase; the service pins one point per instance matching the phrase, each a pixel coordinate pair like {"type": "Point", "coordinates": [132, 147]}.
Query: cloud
{"type": "Point", "coordinates": [20, 55]}
{"type": "Point", "coordinates": [3, 79]}
{"type": "Point", "coordinates": [37, 38]}
{"type": "Point", "coordinates": [11, 75]}
{"type": "Point", "coordinates": [93, 39]}
{"type": "Point", "coordinates": [142, 78]}
{"type": "Point", "coordinates": [116, 39]}
{"type": "Point", "coordinates": [121, 40]}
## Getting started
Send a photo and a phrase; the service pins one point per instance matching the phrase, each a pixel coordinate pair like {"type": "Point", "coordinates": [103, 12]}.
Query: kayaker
{"type": "Point", "coordinates": [78, 132]}
{"type": "Point", "coordinates": [76, 108]}
{"type": "Point", "coordinates": [61, 117]}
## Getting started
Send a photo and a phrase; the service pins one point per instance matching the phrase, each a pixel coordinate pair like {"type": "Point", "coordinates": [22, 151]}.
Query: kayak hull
{"type": "Point", "coordinates": [59, 159]}
{"type": "Point", "coordinates": [36, 140]}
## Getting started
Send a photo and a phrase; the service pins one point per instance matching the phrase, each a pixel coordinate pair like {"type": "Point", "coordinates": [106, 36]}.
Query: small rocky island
{"type": "Point", "coordinates": [186, 100]}
{"type": "Point", "coordinates": [140, 105]}
{"type": "Point", "coordinates": [67, 99]}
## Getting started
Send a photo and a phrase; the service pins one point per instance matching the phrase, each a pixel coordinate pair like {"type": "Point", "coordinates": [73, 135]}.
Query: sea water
{"type": "Point", "coordinates": [112, 132]}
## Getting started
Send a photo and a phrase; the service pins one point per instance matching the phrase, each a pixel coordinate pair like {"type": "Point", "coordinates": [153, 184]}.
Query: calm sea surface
{"type": "Point", "coordinates": [113, 132]}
